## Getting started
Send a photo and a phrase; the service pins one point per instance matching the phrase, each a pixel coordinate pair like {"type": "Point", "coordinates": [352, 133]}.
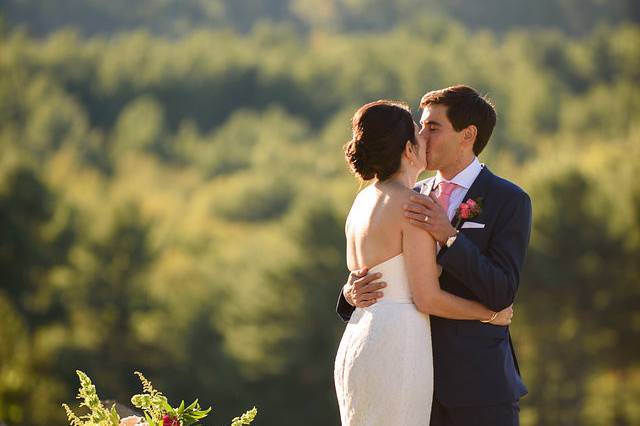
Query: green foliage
{"type": "Point", "coordinates": [254, 198]}
{"type": "Point", "coordinates": [155, 406]}
{"type": "Point", "coordinates": [246, 418]}
{"type": "Point", "coordinates": [177, 17]}
{"type": "Point", "coordinates": [152, 402]}
{"type": "Point", "coordinates": [98, 415]}
{"type": "Point", "coordinates": [177, 203]}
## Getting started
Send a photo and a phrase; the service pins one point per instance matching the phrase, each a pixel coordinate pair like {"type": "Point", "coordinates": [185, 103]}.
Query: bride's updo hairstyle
{"type": "Point", "coordinates": [381, 130]}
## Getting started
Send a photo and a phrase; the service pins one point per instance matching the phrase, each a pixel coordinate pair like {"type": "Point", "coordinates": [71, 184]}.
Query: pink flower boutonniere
{"type": "Point", "coordinates": [468, 210]}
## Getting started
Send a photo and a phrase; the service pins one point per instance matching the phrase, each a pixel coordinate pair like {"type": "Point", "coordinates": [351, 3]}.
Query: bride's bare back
{"type": "Point", "coordinates": [374, 225]}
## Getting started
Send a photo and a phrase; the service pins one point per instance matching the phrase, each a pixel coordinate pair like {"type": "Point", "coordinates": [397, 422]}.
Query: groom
{"type": "Point", "coordinates": [477, 380]}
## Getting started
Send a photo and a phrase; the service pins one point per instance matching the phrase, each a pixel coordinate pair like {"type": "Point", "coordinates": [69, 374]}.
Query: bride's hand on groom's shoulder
{"type": "Point", "coordinates": [362, 289]}
{"type": "Point", "coordinates": [504, 317]}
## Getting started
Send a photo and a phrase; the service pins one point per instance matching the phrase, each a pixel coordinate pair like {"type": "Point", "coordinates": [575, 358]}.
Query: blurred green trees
{"type": "Point", "coordinates": [176, 205]}
{"type": "Point", "coordinates": [181, 16]}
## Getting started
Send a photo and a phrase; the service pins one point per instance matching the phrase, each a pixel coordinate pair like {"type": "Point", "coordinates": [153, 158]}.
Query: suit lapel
{"type": "Point", "coordinates": [478, 188]}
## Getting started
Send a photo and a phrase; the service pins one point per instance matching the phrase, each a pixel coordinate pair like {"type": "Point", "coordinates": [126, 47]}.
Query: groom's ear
{"type": "Point", "coordinates": [469, 134]}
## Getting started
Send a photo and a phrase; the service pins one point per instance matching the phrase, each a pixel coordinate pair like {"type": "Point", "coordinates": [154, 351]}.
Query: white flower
{"type": "Point", "coordinates": [133, 421]}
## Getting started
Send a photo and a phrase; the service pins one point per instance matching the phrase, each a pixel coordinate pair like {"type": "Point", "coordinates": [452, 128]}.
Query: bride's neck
{"type": "Point", "coordinates": [404, 178]}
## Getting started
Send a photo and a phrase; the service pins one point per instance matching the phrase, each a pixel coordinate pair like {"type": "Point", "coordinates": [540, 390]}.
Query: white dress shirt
{"type": "Point", "coordinates": [464, 180]}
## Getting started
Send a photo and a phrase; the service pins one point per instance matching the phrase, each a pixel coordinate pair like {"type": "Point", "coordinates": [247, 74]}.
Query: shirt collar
{"type": "Point", "coordinates": [465, 178]}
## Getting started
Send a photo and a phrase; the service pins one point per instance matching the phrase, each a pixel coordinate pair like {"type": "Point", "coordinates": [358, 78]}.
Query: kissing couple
{"type": "Point", "coordinates": [435, 267]}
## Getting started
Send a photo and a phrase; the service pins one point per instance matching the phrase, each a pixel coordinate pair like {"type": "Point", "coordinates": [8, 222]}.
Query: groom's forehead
{"type": "Point", "coordinates": [433, 113]}
{"type": "Point", "coordinates": [425, 115]}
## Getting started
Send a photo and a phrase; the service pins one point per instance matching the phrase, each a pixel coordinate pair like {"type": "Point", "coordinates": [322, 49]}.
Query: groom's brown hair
{"type": "Point", "coordinates": [464, 108]}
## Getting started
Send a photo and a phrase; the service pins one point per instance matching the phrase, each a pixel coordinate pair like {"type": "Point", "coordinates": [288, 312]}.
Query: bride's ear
{"type": "Point", "coordinates": [411, 151]}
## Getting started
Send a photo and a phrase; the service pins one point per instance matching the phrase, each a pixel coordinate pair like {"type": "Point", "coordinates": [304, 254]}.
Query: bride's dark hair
{"type": "Point", "coordinates": [381, 130]}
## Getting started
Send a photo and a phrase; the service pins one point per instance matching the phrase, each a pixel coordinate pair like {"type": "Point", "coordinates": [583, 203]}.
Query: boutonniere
{"type": "Point", "coordinates": [468, 210]}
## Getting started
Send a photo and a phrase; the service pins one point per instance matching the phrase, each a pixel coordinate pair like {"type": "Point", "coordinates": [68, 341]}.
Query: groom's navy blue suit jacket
{"type": "Point", "coordinates": [474, 363]}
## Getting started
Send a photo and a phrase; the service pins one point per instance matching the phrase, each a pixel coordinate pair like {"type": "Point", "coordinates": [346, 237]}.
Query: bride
{"type": "Point", "coordinates": [384, 367]}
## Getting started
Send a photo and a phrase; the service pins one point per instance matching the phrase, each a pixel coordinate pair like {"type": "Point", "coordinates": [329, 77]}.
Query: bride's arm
{"type": "Point", "coordinates": [419, 250]}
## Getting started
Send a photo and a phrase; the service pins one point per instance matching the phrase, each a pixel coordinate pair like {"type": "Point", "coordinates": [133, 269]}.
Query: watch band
{"type": "Point", "coordinates": [451, 240]}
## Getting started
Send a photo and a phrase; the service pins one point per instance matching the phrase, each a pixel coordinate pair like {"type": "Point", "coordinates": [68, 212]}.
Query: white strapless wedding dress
{"type": "Point", "coordinates": [384, 366]}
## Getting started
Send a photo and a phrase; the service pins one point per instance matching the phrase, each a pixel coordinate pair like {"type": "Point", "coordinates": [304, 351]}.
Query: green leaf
{"type": "Point", "coordinates": [168, 408]}
{"type": "Point", "coordinates": [246, 418]}
{"type": "Point", "coordinates": [193, 404]}
{"type": "Point", "coordinates": [115, 418]}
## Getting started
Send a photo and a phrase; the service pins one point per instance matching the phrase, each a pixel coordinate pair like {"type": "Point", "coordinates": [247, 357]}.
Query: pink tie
{"type": "Point", "coordinates": [444, 193]}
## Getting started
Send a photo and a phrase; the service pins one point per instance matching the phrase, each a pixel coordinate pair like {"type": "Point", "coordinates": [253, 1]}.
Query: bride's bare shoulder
{"type": "Point", "coordinates": [400, 196]}
{"type": "Point", "coordinates": [395, 199]}
{"type": "Point", "coordinates": [391, 199]}
{"type": "Point", "coordinates": [404, 194]}
{"type": "Point", "coordinates": [362, 198]}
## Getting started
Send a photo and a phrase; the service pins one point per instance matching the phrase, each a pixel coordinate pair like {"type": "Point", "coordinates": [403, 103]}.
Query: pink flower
{"type": "Point", "coordinates": [170, 421]}
{"type": "Point", "coordinates": [469, 209]}
{"type": "Point", "coordinates": [465, 213]}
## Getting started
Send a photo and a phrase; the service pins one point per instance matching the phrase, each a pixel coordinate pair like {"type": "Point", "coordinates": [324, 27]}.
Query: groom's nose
{"type": "Point", "coordinates": [424, 134]}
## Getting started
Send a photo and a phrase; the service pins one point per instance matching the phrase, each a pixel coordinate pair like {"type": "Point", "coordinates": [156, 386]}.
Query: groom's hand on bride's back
{"type": "Point", "coordinates": [362, 289]}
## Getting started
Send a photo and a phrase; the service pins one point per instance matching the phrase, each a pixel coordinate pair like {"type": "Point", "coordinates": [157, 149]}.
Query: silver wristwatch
{"type": "Point", "coordinates": [451, 240]}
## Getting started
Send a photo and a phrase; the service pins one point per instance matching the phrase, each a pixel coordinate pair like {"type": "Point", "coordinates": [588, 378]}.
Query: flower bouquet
{"type": "Point", "coordinates": [155, 406]}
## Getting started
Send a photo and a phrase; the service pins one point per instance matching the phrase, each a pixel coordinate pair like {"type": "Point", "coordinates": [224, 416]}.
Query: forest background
{"type": "Point", "coordinates": [173, 192]}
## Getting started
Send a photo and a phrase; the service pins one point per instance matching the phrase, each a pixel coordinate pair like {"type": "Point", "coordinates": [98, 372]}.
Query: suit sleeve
{"type": "Point", "coordinates": [494, 276]}
{"type": "Point", "coordinates": [343, 308]}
